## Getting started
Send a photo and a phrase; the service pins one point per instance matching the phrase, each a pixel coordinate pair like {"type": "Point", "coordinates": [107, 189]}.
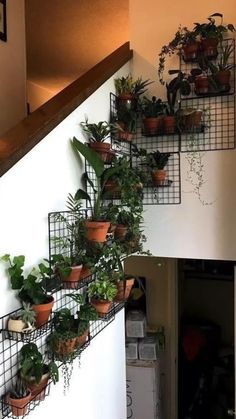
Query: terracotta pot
{"type": "Point", "coordinates": [120, 231]}
{"type": "Point", "coordinates": [72, 279]}
{"type": "Point", "coordinates": [125, 136]}
{"type": "Point", "coordinates": [102, 306]}
{"type": "Point", "coordinates": [191, 121]}
{"type": "Point", "coordinates": [151, 126]}
{"type": "Point", "coordinates": [19, 407]}
{"type": "Point", "coordinates": [38, 389]}
{"type": "Point", "coordinates": [124, 289]}
{"type": "Point", "coordinates": [64, 347]}
{"type": "Point", "coordinates": [97, 230]}
{"type": "Point", "coordinates": [190, 52]}
{"type": "Point", "coordinates": [158, 177]}
{"type": "Point", "coordinates": [81, 340]}
{"type": "Point", "coordinates": [43, 311]}
{"type": "Point", "coordinates": [85, 272]}
{"type": "Point", "coordinates": [209, 47]}
{"type": "Point", "coordinates": [223, 78]}
{"type": "Point", "coordinates": [169, 124]}
{"type": "Point", "coordinates": [102, 149]}
{"type": "Point", "coordinates": [128, 100]}
{"type": "Point", "coordinates": [112, 189]}
{"type": "Point", "coordinates": [201, 85]}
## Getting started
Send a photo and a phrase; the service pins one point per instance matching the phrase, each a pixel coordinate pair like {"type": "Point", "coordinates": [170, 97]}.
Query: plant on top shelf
{"type": "Point", "coordinates": [35, 372]}
{"type": "Point", "coordinates": [102, 292]}
{"type": "Point", "coordinates": [152, 111]}
{"type": "Point", "coordinates": [97, 226]}
{"type": "Point", "coordinates": [97, 134]}
{"type": "Point", "coordinates": [127, 88]}
{"type": "Point", "coordinates": [18, 397]}
{"type": "Point", "coordinates": [221, 70]}
{"type": "Point", "coordinates": [33, 287]}
{"type": "Point", "coordinates": [23, 320]}
{"type": "Point", "coordinates": [86, 313]}
{"type": "Point", "coordinates": [211, 34]}
{"type": "Point", "coordinates": [184, 42]}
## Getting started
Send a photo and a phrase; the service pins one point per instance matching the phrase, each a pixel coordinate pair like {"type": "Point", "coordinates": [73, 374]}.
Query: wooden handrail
{"type": "Point", "coordinates": [18, 141]}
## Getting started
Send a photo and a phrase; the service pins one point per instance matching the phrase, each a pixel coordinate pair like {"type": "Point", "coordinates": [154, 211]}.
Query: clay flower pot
{"type": "Point", "coordinates": [97, 230]}
{"type": "Point", "coordinates": [19, 407]}
{"type": "Point", "coordinates": [190, 52]}
{"type": "Point", "coordinates": [85, 272]}
{"type": "Point", "coordinates": [124, 289]}
{"type": "Point", "coordinates": [65, 347]}
{"type": "Point", "coordinates": [125, 136]}
{"type": "Point", "coordinates": [43, 311]}
{"type": "Point", "coordinates": [102, 306]}
{"type": "Point", "coordinates": [112, 189]}
{"type": "Point", "coordinates": [102, 149]}
{"type": "Point", "coordinates": [209, 48]}
{"type": "Point", "coordinates": [38, 389]}
{"type": "Point", "coordinates": [191, 121]}
{"type": "Point", "coordinates": [72, 279]}
{"type": "Point", "coordinates": [169, 124]}
{"type": "Point", "coordinates": [151, 125]}
{"type": "Point", "coordinates": [158, 177]}
{"type": "Point", "coordinates": [128, 100]}
{"type": "Point", "coordinates": [81, 340]}
{"type": "Point", "coordinates": [201, 85]}
{"type": "Point", "coordinates": [223, 78]}
{"type": "Point", "coordinates": [120, 231]}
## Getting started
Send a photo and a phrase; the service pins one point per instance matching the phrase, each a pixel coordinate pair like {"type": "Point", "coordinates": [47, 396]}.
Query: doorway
{"type": "Point", "coordinates": [205, 339]}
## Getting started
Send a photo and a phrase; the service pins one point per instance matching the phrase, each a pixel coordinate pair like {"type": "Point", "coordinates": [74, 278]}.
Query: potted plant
{"type": "Point", "coordinates": [178, 85]}
{"type": "Point", "coordinates": [221, 71]}
{"type": "Point", "coordinates": [23, 320]}
{"type": "Point", "coordinates": [126, 123]}
{"type": "Point", "coordinates": [32, 288]}
{"type": "Point", "coordinates": [69, 268]}
{"type": "Point", "coordinates": [63, 341]}
{"type": "Point", "coordinates": [189, 119]}
{"type": "Point", "coordinates": [97, 134]}
{"type": "Point", "coordinates": [86, 313]}
{"type": "Point", "coordinates": [97, 226]}
{"type": "Point", "coordinates": [156, 162]}
{"type": "Point", "coordinates": [18, 398]}
{"type": "Point", "coordinates": [128, 90]}
{"type": "Point", "coordinates": [184, 43]}
{"type": "Point", "coordinates": [124, 220]}
{"type": "Point", "coordinates": [102, 292]}
{"type": "Point", "coordinates": [35, 372]}
{"type": "Point", "coordinates": [211, 33]}
{"type": "Point", "coordinates": [152, 112]}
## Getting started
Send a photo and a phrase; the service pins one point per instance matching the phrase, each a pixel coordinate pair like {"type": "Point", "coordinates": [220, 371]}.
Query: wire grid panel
{"type": "Point", "coordinates": [186, 68]}
{"type": "Point", "coordinates": [218, 124]}
{"type": "Point", "coordinates": [9, 363]}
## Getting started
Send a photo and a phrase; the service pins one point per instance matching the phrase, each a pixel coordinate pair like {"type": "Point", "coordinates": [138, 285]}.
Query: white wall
{"type": "Point", "coordinates": [36, 185]}
{"type": "Point", "coordinates": [13, 68]}
{"type": "Point", "coordinates": [190, 230]}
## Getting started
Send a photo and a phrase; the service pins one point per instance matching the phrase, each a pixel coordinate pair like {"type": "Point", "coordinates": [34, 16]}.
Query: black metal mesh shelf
{"type": "Point", "coordinates": [218, 113]}
{"type": "Point", "coordinates": [219, 122]}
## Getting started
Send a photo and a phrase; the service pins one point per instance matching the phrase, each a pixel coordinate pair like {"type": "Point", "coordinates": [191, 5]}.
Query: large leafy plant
{"type": "Point", "coordinates": [211, 30]}
{"type": "Point", "coordinates": [127, 85]}
{"type": "Point", "coordinates": [103, 288]}
{"type": "Point", "coordinates": [101, 176]}
{"type": "Point", "coordinates": [32, 365]}
{"type": "Point", "coordinates": [31, 287]}
{"type": "Point", "coordinates": [98, 132]}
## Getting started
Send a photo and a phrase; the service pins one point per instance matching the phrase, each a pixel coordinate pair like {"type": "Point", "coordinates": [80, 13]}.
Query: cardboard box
{"type": "Point", "coordinates": [131, 348]}
{"type": "Point", "coordinates": [143, 384]}
{"type": "Point", "coordinates": [136, 324]}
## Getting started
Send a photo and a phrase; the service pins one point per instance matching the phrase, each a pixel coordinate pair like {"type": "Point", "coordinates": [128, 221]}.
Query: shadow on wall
{"type": "Point", "coordinates": [64, 42]}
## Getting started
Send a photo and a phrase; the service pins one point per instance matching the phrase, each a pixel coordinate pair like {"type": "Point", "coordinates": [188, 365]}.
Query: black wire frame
{"type": "Point", "coordinates": [218, 119]}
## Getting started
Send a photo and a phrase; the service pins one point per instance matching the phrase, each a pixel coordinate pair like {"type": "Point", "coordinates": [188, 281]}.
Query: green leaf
{"type": "Point", "coordinates": [80, 194]}
{"type": "Point", "coordinates": [90, 155]}
{"type": "Point", "coordinates": [5, 258]}
{"type": "Point", "coordinates": [19, 260]}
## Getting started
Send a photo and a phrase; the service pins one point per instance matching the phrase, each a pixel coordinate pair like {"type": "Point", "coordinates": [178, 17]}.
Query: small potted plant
{"type": "Point", "coordinates": [221, 71]}
{"type": "Point", "coordinates": [124, 220]}
{"type": "Point", "coordinates": [86, 313]}
{"type": "Point", "coordinates": [126, 123]}
{"type": "Point", "coordinates": [18, 398]}
{"type": "Point", "coordinates": [156, 162]}
{"type": "Point", "coordinates": [102, 292]}
{"type": "Point", "coordinates": [152, 112]}
{"type": "Point", "coordinates": [129, 90]}
{"type": "Point", "coordinates": [178, 85]}
{"type": "Point", "coordinates": [97, 226]}
{"type": "Point", "coordinates": [35, 372]}
{"type": "Point", "coordinates": [97, 134]}
{"type": "Point", "coordinates": [32, 288]}
{"type": "Point", "coordinates": [23, 320]}
{"type": "Point", "coordinates": [211, 33]}
{"type": "Point", "coordinates": [63, 341]}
